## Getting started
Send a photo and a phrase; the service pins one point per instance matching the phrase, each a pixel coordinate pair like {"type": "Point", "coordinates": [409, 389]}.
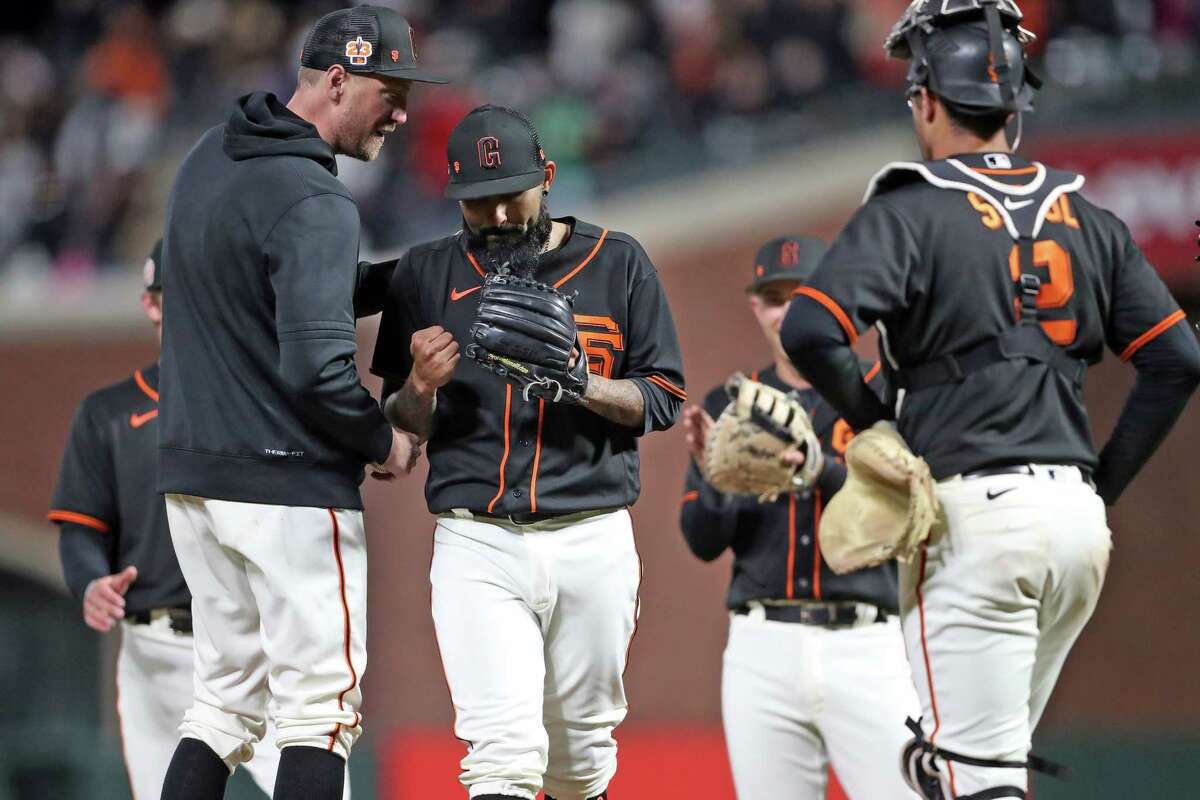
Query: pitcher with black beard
{"type": "Point", "coordinates": [535, 576]}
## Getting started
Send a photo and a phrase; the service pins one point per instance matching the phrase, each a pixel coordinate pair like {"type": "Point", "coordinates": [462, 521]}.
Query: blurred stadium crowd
{"type": "Point", "coordinates": [100, 99]}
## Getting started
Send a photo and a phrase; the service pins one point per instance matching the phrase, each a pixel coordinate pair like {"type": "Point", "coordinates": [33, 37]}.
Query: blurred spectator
{"type": "Point", "coordinates": [100, 98]}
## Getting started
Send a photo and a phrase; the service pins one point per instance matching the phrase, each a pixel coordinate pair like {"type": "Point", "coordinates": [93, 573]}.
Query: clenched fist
{"type": "Point", "coordinates": [435, 355]}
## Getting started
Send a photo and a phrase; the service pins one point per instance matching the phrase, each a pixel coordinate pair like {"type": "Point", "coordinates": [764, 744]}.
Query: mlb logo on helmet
{"type": "Point", "coordinates": [358, 51]}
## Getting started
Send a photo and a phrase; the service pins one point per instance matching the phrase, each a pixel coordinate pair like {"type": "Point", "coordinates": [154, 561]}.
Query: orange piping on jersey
{"type": "Point", "coordinates": [584, 263]}
{"type": "Point", "coordinates": [1022, 171]}
{"type": "Point", "coordinates": [832, 307]}
{"type": "Point", "coordinates": [1151, 335]}
{"type": "Point", "coordinates": [337, 557]}
{"type": "Point", "coordinates": [79, 519]}
{"type": "Point", "coordinates": [791, 567]}
{"type": "Point", "coordinates": [504, 458]}
{"type": "Point", "coordinates": [817, 545]}
{"type": "Point", "coordinates": [145, 387]}
{"type": "Point", "coordinates": [537, 457]}
{"type": "Point", "coordinates": [667, 386]}
{"type": "Point", "coordinates": [475, 264]}
{"type": "Point", "coordinates": [690, 496]}
{"type": "Point", "coordinates": [872, 372]}
{"type": "Point", "coordinates": [937, 719]}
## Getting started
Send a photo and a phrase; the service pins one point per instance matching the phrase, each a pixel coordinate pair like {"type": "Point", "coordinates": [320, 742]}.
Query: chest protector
{"type": "Point", "coordinates": [1023, 209]}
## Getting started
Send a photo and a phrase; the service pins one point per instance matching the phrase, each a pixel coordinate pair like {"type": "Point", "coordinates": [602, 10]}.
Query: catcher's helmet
{"type": "Point", "coordinates": [970, 53]}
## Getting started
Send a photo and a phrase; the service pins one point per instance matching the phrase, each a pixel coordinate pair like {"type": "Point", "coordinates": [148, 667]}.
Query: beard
{"type": "Point", "coordinates": [359, 138]}
{"type": "Point", "coordinates": [519, 247]}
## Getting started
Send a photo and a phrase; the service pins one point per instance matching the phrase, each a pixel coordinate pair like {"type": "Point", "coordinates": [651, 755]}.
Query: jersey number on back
{"type": "Point", "coordinates": [1056, 291]}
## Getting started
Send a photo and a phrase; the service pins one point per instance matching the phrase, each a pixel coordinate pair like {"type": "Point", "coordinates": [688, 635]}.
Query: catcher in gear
{"type": "Point", "coordinates": [993, 283]}
{"type": "Point", "coordinates": [571, 356]}
{"type": "Point", "coordinates": [814, 672]}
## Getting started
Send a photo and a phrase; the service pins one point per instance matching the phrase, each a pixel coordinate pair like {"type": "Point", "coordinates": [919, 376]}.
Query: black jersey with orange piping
{"type": "Point", "coordinates": [776, 546]}
{"type": "Point", "coordinates": [491, 451]}
{"type": "Point", "coordinates": [106, 501]}
{"type": "Point", "coordinates": [935, 266]}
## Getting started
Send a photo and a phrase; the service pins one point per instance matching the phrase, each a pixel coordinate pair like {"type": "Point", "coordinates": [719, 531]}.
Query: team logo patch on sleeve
{"type": "Point", "coordinates": [358, 51]}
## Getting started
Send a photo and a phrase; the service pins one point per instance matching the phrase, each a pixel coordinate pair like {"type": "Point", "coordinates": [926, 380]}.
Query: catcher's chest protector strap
{"type": "Point", "coordinates": [1023, 209]}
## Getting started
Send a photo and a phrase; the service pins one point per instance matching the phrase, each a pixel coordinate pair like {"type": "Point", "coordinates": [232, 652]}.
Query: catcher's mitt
{"type": "Point", "coordinates": [886, 508]}
{"type": "Point", "coordinates": [524, 332]}
{"type": "Point", "coordinates": [744, 451]}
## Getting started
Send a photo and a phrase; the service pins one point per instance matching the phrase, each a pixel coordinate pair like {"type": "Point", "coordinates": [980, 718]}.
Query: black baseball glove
{"type": "Point", "coordinates": [524, 332]}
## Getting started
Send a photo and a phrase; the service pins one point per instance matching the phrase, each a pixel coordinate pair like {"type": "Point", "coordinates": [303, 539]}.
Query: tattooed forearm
{"type": "Point", "coordinates": [617, 401]}
{"type": "Point", "coordinates": [411, 410]}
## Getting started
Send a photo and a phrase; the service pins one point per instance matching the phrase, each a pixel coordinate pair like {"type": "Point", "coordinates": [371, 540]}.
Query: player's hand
{"type": "Point", "coordinates": [697, 424]}
{"type": "Point", "coordinates": [435, 355]}
{"type": "Point", "coordinates": [406, 449]}
{"type": "Point", "coordinates": [793, 457]}
{"type": "Point", "coordinates": [104, 599]}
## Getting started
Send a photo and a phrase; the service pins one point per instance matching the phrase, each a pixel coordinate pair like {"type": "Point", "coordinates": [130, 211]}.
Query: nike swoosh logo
{"type": "Point", "coordinates": [138, 420]}
{"type": "Point", "coordinates": [456, 295]}
{"type": "Point", "coordinates": [1016, 206]}
{"type": "Point", "coordinates": [993, 495]}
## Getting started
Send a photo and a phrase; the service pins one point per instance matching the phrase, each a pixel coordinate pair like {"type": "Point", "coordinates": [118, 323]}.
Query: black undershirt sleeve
{"type": "Point", "coordinates": [709, 518]}
{"type": "Point", "coordinates": [86, 554]}
{"type": "Point", "coordinates": [1168, 371]}
{"type": "Point", "coordinates": [816, 344]}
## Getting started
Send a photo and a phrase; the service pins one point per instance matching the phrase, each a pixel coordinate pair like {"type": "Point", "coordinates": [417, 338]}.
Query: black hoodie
{"type": "Point", "coordinates": [260, 398]}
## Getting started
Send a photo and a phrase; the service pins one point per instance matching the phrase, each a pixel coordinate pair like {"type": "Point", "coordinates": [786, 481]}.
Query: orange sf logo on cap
{"type": "Point", "coordinates": [359, 51]}
{"type": "Point", "coordinates": [395, 55]}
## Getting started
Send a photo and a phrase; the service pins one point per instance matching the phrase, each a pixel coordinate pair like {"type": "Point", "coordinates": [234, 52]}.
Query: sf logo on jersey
{"type": "Point", "coordinates": [600, 338]}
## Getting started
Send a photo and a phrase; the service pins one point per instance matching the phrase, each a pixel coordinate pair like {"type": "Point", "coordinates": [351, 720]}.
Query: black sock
{"type": "Point", "coordinates": [195, 773]}
{"type": "Point", "coordinates": [309, 773]}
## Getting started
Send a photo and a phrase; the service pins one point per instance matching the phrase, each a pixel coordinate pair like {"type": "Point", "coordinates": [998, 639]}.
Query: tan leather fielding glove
{"type": "Point", "coordinates": [886, 508]}
{"type": "Point", "coordinates": [744, 451]}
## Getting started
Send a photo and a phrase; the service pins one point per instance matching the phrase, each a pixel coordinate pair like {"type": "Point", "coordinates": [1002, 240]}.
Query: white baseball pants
{"type": "Point", "coordinates": [796, 698]}
{"type": "Point", "coordinates": [991, 608]}
{"type": "Point", "coordinates": [534, 623]}
{"type": "Point", "coordinates": [279, 616]}
{"type": "Point", "coordinates": [154, 689]}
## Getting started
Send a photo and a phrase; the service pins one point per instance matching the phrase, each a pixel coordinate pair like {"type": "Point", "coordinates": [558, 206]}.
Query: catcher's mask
{"type": "Point", "coordinates": [970, 53]}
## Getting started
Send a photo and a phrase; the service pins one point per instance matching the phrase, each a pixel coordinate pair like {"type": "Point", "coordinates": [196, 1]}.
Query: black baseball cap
{"type": "Point", "coordinates": [788, 258]}
{"type": "Point", "coordinates": [369, 40]}
{"type": "Point", "coordinates": [493, 151]}
{"type": "Point", "coordinates": [152, 270]}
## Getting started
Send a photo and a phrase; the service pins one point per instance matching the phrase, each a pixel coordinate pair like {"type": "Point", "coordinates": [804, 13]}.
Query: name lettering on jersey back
{"type": "Point", "coordinates": [1059, 214]}
{"type": "Point", "coordinates": [600, 337]}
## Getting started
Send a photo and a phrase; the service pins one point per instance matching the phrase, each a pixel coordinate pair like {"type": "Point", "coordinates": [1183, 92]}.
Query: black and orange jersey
{"type": "Point", "coordinates": [776, 545]}
{"type": "Point", "coordinates": [493, 452]}
{"type": "Point", "coordinates": [106, 502]}
{"type": "Point", "coordinates": [934, 264]}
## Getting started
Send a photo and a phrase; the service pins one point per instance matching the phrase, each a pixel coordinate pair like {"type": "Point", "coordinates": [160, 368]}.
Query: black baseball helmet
{"type": "Point", "coordinates": [970, 53]}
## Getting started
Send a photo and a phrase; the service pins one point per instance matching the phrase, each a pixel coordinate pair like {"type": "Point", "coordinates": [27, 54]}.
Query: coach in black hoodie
{"type": "Point", "coordinates": [265, 426]}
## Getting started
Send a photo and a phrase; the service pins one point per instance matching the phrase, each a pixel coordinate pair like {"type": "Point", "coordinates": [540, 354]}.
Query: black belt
{"type": "Point", "coordinates": [1018, 469]}
{"type": "Point", "coordinates": [822, 615]}
{"type": "Point", "coordinates": [180, 617]}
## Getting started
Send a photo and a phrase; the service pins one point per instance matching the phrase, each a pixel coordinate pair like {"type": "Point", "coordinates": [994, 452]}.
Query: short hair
{"type": "Point", "coordinates": [307, 76]}
{"type": "Point", "coordinates": [983, 126]}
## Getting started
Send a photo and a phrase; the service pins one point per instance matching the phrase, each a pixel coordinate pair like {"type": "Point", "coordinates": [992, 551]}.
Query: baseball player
{"type": "Point", "coordinates": [815, 670]}
{"type": "Point", "coordinates": [118, 561]}
{"type": "Point", "coordinates": [265, 427]}
{"type": "Point", "coordinates": [534, 575]}
{"type": "Point", "coordinates": [994, 283]}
